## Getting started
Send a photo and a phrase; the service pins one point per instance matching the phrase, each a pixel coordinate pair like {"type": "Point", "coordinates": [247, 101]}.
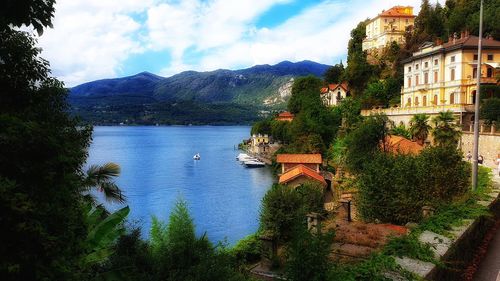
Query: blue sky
{"type": "Point", "coordinates": [97, 39]}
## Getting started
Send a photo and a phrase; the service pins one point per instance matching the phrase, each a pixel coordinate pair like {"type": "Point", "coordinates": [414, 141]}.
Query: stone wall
{"type": "Point", "coordinates": [489, 146]}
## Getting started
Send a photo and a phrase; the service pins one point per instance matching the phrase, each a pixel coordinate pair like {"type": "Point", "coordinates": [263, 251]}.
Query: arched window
{"type": "Point", "coordinates": [435, 100]}
{"type": "Point", "coordinates": [473, 97]}
{"type": "Point", "coordinates": [409, 102]}
{"type": "Point", "coordinates": [416, 101]}
{"type": "Point", "coordinates": [424, 101]}
{"type": "Point", "coordinates": [452, 98]}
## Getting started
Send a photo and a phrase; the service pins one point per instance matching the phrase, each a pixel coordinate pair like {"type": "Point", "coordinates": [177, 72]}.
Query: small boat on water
{"type": "Point", "coordinates": [197, 156]}
{"type": "Point", "coordinates": [254, 164]}
{"type": "Point", "coordinates": [241, 156]}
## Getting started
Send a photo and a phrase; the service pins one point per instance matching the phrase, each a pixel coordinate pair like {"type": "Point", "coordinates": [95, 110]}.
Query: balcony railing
{"type": "Point", "coordinates": [456, 108]}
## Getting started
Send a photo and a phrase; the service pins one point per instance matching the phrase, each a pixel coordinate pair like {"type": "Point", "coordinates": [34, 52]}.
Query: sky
{"type": "Point", "coordinates": [98, 39]}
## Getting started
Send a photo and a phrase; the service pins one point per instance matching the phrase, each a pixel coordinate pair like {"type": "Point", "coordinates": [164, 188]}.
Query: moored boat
{"type": "Point", "coordinates": [254, 164]}
{"type": "Point", "coordinates": [197, 156]}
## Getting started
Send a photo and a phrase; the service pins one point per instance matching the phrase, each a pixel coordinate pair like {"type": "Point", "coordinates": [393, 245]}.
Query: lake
{"type": "Point", "coordinates": [157, 168]}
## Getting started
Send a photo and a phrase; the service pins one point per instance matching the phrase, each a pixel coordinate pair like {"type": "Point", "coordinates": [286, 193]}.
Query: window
{"type": "Point", "coordinates": [435, 62]}
{"type": "Point", "coordinates": [435, 77]}
{"type": "Point", "coordinates": [474, 72]}
{"type": "Point", "coordinates": [489, 72]}
{"type": "Point", "coordinates": [452, 98]}
{"type": "Point", "coordinates": [416, 80]}
{"type": "Point", "coordinates": [435, 101]}
{"type": "Point", "coordinates": [452, 74]}
{"type": "Point", "coordinates": [490, 56]}
{"type": "Point", "coordinates": [416, 101]}
{"type": "Point", "coordinates": [409, 81]}
{"type": "Point", "coordinates": [385, 20]}
{"type": "Point", "coordinates": [452, 59]}
{"type": "Point", "coordinates": [475, 57]}
{"type": "Point", "coordinates": [416, 66]}
{"type": "Point", "coordinates": [424, 101]}
{"type": "Point", "coordinates": [409, 102]}
{"type": "Point", "coordinates": [407, 21]}
{"type": "Point", "coordinates": [409, 68]}
{"type": "Point", "coordinates": [426, 64]}
{"type": "Point", "coordinates": [426, 78]}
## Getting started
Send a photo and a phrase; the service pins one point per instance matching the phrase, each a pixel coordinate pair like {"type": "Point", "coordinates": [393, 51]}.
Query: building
{"type": "Point", "coordinates": [388, 26]}
{"type": "Point", "coordinates": [289, 161]}
{"type": "Point", "coordinates": [285, 116]}
{"type": "Point", "coordinates": [401, 145]}
{"type": "Point", "coordinates": [259, 143]}
{"type": "Point", "coordinates": [443, 77]}
{"type": "Point", "coordinates": [334, 93]}
{"type": "Point", "coordinates": [299, 175]}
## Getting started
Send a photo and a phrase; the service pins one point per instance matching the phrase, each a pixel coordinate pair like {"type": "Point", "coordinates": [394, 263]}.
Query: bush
{"type": "Point", "coordinates": [248, 249]}
{"type": "Point", "coordinates": [283, 208]}
{"type": "Point", "coordinates": [394, 188]}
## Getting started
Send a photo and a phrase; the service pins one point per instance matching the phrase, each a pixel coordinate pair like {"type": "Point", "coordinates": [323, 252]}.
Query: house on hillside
{"type": "Point", "coordinates": [440, 77]}
{"type": "Point", "coordinates": [259, 143]}
{"type": "Point", "coordinates": [388, 26]}
{"type": "Point", "coordinates": [299, 168]}
{"type": "Point", "coordinates": [334, 93]}
{"type": "Point", "coordinates": [285, 116]}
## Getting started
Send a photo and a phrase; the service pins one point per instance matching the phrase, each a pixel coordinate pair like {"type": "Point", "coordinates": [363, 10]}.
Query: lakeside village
{"type": "Point", "coordinates": [393, 177]}
{"type": "Point", "coordinates": [374, 173]}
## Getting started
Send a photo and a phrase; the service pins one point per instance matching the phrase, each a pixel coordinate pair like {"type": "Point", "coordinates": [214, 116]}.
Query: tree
{"type": "Point", "coordinates": [419, 127]}
{"type": "Point", "coordinates": [446, 131]}
{"type": "Point", "coordinates": [305, 94]}
{"type": "Point", "coordinates": [42, 151]}
{"type": "Point", "coordinates": [490, 110]}
{"type": "Point", "coordinates": [334, 73]}
{"type": "Point", "coordinates": [101, 177]}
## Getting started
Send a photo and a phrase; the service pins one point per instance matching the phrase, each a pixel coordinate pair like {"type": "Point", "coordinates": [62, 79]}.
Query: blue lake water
{"type": "Point", "coordinates": [157, 166]}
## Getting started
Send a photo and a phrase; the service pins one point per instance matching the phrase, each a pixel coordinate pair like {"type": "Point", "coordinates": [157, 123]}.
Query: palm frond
{"type": "Point", "coordinates": [112, 192]}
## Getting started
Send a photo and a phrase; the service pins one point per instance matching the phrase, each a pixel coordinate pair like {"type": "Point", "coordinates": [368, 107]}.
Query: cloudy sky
{"type": "Point", "coordinates": [96, 39]}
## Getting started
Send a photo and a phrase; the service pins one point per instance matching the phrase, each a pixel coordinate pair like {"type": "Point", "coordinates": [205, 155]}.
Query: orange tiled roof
{"type": "Point", "coordinates": [298, 171]}
{"type": "Point", "coordinates": [285, 114]}
{"type": "Point", "coordinates": [334, 86]}
{"type": "Point", "coordinates": [397, 144]}
{"type": "Point", "coordinates": [299, 158]}
{"type": "Point", "coordinates": [398, 11]}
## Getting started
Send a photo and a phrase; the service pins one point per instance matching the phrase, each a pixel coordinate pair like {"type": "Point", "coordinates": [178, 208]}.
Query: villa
{"type": "Point", "coordinates": [388, 26]}
{"type": "Point", "coordinates": [440, 77]}
{"type": "Point", "coordinates": [299, 168]}
{"type": "Point", "coordinates": [334, 93]}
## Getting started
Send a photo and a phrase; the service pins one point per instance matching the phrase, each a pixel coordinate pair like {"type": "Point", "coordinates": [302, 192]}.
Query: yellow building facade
{"type": "Point", "coordinates": [443, 77]}
{"type": "Point", "coordinates": [389, 26]}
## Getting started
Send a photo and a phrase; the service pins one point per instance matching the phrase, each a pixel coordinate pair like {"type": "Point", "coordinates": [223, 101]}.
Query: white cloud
{"type": "Point", "coordinates": [92, 39]}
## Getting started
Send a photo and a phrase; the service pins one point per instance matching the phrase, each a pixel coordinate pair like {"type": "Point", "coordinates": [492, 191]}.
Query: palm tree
{"type": "Point", "coordinates": [419, 127]}
{"type": "Point", "coordinates": [445, 130]}
{"type": "Point", "coordinates": [101, 178]}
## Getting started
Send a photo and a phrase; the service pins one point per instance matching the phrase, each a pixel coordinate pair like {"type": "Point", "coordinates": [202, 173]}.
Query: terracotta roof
{"type": "Point", "coordinates": [400, 145]}
{"type": "Point", "coordinates": [334, 86]}
{"type": "Point", "coordinates": [471, 41]}
{"type": "Point", "coordinates": [398, 11]}
{"type": "Point", "coordinates": [299, 158]}
{"type": "Point", "coordinates": [299, 171]}
{"type": "Point", "coordinates": [285, 114]}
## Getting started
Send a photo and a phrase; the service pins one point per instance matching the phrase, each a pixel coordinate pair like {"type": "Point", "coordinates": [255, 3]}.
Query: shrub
{"type": "Point", "coordinates": [283, 208]}
{"type": "Point", "coordinates": [248, 249]}
{"type": "Point", "coordinates": [394, 188]}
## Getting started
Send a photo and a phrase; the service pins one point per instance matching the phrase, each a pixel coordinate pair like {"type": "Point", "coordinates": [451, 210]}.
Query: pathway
{"type": "Point", "coordinates": [489, 268]}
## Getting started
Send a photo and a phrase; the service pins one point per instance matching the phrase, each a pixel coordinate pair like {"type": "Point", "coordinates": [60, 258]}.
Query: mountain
{"type": "Point", "coordinates": [253, 89]}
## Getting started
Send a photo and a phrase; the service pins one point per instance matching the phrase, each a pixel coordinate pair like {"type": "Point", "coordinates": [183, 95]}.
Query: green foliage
{"type": "Point", "coordinates": [42, 151]}
{"type": "Point", "coordinates": [307, 255]}
{"type": "Point", "coordinates": [364, 141]}
{"type": "Point", "coordinates": [419, 127]}
{"type": "Point", "coordinates": [446, 131]}
{"type": "Point", "coordinates": [283, 208]}
{"type": "Point", "coordinates": [334, 74]}
{"type": "Point", "coordinates": [371, 269]}
{"type": "Point", "coordinates": [248, 249]}
{"type": "Point", "coordinates": [464, 15]}
{"type": "Point", "coordinates": [394, 188]}
{"type": "Point", "coordinates": [409, 246]}
{"type": "Point", "coordinates": [101, 178]}
{"type": "Point", "coordinates": [305, 94]}
{"type": "Point", "coordinates": [400, 130]}
{"type": "Point", "coordinates": [490, 110]}
{"type": "Point", "coordinates": [381, 93]}
{"type": "Point", "coordinates": [102, 233]}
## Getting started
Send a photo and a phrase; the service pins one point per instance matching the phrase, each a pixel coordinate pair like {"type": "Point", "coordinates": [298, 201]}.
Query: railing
{"type": "Point", "coordinates": [419, 109]}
